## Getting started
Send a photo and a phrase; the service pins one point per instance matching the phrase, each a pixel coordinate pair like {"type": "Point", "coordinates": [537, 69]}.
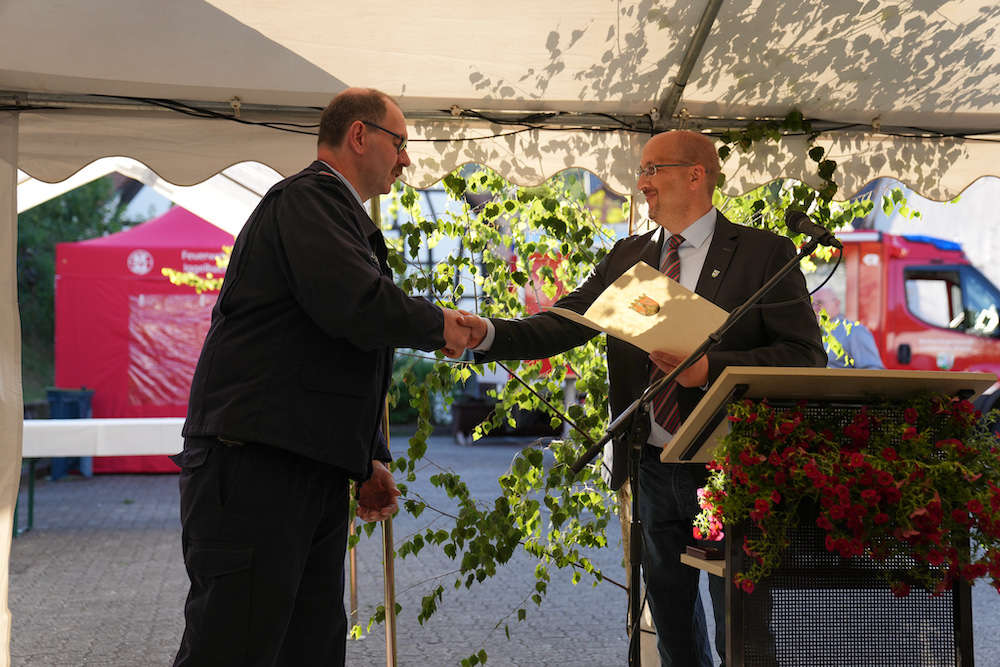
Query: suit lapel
{"type": "Point", "coordinates": [720, 254]}
{"type": "Point", "coordinates": [651, 250]}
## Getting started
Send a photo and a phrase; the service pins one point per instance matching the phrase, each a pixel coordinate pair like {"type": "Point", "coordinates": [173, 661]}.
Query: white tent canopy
{"type": "Point", "coordinates": [877, 68]}
{"type": "Point", "coordinates": [885, 82]}
{"type": "Point", "coordinates": [226, 199]}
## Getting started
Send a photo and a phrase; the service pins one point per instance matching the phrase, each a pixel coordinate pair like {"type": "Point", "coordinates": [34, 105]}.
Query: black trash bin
{"type": "Point", "coordinates": [70, 404]}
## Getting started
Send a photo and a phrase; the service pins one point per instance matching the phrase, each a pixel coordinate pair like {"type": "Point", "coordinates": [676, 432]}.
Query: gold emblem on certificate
{"type": "Point", "coordinates": [645, 306]}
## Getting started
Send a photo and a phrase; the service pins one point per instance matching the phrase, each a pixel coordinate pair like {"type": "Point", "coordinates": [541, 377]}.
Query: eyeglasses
{"type": "Point", "coordinates": [650, 169]}
{"type": "Point", "coordinates": [402, 140]}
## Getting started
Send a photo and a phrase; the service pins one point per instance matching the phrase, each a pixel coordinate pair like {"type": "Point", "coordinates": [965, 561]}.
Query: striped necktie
{"type": "Point", "coordinates": [665, 409]}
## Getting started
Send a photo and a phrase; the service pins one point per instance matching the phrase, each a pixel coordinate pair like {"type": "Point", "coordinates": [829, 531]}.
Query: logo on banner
{"type": "Point", "coordinates": [140, 262]}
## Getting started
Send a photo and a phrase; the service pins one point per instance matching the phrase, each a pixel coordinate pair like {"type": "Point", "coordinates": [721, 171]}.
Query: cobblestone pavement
{"type": "Point", "coordinates": [99, 581]}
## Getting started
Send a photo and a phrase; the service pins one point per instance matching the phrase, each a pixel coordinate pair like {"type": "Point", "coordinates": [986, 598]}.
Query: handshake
{"type": "Point", "coordinates": [462, 330]}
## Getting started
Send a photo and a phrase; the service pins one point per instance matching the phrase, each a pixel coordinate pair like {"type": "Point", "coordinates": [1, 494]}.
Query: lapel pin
{"type": "Point", "coordinates": [715, 273]}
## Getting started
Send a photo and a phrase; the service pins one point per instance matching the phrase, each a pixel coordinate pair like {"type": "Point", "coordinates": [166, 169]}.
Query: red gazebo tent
{"type": "Point", "coordinates": [123, 330]}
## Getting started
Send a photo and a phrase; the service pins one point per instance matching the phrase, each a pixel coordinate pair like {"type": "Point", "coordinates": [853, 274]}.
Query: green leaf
{"type": "Point", "coordinates": [455, 185]}
{"type": "Point", "coordinates": [826, 169]}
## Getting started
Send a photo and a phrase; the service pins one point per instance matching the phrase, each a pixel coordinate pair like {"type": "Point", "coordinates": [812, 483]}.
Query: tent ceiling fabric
{"type": "Point", "coordinates": [920, 64]}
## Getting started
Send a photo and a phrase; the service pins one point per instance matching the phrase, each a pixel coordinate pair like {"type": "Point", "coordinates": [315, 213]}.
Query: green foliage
{"type": "Point", "coordinates": [83, 213]}
{"type": "Point", "coordinates": [208, 283]}
{"type": "Point", "coordinates": [541, 510]}
{"type": "Point", "coordinates": [408, 372]}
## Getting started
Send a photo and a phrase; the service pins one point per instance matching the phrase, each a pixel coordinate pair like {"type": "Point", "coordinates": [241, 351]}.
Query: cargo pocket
{"type": "Point", "coordinates": [191, 458]}
{"type": "Point", "coordinates": [219, 605]}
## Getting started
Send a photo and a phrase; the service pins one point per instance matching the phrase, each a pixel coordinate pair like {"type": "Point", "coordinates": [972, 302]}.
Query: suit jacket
{"type": "Point", "coordinates": [739, 260]}
{"type": "Point", "coordinates": [299, 352]}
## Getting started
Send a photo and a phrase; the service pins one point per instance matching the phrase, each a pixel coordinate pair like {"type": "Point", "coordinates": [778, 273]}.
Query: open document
{"type": "Point", "coordinates": [651, 311]}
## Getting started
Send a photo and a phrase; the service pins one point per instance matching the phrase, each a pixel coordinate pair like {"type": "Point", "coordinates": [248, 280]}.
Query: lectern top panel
{"type": "Point", "coordinates": [815, 384]}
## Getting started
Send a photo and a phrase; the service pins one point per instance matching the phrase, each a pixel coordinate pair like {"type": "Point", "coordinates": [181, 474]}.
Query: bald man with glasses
{"type": "Point", "coordinates": [725, 263]}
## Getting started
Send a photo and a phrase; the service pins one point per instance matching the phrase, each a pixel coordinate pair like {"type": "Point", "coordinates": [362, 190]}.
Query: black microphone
{"type": "Point", "coordinates": [799, 222]}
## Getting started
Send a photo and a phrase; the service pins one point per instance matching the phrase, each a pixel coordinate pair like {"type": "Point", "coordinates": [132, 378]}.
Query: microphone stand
{"type": "Point", "coordinates": [634, 423]}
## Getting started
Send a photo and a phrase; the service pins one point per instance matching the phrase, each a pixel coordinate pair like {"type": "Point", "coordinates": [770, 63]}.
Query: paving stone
{"type": "Point", "coordinates": [100, 582]}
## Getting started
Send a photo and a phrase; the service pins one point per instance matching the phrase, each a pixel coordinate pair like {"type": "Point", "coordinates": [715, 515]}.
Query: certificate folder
{"type": "Point", "coordinates": [651, 311]}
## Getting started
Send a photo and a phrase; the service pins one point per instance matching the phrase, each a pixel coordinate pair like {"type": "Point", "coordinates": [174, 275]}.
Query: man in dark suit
{"type": "Point", "coordinates": [725, 263]}
{"type": "Point", "coordinates": [287, 402]}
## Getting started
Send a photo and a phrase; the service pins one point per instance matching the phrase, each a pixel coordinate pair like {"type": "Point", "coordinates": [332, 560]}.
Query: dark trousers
{"type": "Point", "coordinates": [667, 506]}
{"type": "Point", "coordinates": [264, 537]}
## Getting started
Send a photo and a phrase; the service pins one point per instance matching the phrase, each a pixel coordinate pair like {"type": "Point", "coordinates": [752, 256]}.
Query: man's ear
{"type": "Point", "coordinates": [357, 138]}
{"type": "Point", "coordinates": [697, 175]}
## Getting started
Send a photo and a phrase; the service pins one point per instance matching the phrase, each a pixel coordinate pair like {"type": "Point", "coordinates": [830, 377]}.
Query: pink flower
{"type": "Point", "coordinates": [910, 415]}
{"type": "Point", "coordinates": [910, 433]}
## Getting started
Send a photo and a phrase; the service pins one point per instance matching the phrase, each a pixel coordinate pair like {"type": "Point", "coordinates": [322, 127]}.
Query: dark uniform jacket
{"type": "Point", "coordinates": [739, 260]}
{"type": "Point", "coordinates": [299, 353]}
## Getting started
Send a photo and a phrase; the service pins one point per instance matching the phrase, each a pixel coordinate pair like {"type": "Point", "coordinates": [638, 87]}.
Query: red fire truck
{"type": "Point", "coordinates": [926, 305]}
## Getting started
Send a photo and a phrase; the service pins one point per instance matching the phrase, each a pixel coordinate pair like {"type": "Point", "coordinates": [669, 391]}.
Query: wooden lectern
{"type": "Point", "coordinates": [822, 609]}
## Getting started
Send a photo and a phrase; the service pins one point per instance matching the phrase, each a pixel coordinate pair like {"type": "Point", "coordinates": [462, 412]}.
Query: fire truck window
{"type": "Point", "coordinates": [935, 296]}
{"type": "Point", "coordinates": [981, 302]}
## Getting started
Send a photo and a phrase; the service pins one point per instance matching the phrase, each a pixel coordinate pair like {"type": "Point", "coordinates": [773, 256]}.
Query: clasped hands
{"type": "Point", "coordinates": [462, 330]}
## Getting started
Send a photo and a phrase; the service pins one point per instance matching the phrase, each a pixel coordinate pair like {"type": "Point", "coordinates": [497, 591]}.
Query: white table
{"type": "Point", "coordinates": [95, 437]}
{"type": "Point", "coordinates": [102, 437]}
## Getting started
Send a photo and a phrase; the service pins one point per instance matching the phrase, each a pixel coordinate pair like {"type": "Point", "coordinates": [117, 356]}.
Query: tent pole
{"type": "Point", "coordinates": [388, 552]}
{"type": "Point", "coordinates": [11, 398]}
{"type": "Point", "coordinates": [672, 97]}
{"type": "Point", "coordinates": [631, 214]}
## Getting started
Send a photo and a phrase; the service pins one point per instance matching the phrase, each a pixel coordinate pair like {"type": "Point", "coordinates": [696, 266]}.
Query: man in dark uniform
{"type": "Point", "coordinates": [287, 402]}
{"type": "Point", "coordinates": [725, 263]}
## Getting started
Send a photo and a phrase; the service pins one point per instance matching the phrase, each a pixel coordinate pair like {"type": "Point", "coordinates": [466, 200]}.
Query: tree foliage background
{"type": "Point", "coordinates": [89, 211]}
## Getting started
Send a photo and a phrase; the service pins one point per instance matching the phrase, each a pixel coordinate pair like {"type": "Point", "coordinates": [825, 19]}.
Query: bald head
{"type": "Point", "coordinates": [693, 147]}
{"type": "Point", "coordinates": [686, 170]}
{"type": "Point", "coordinates": [826, 299]}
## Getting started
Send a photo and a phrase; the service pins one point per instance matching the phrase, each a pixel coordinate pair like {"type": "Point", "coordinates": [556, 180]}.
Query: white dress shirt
{"type": "Point", "coordinates": [697, 239]}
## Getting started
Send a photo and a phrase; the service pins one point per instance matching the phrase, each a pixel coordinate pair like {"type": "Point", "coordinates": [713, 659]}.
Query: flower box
{"type": "Point", "coordinates": [854, 530]}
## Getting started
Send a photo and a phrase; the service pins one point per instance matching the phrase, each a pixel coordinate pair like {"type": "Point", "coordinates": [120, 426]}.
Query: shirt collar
{"type": "Point", "coordinates": [345, 182]}
{"type": "Point", "coordinates": [698, 231]}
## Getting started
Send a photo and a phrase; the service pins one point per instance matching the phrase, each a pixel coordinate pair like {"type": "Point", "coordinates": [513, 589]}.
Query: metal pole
{"type": "Point", "coordinates": [388, 550]}
{"type": "Point", "coordinates": [673, 96]}
{"type": "Point", "coordinates": [352, 530]}
{"type": "Point", "coordinates": [389, 574]}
